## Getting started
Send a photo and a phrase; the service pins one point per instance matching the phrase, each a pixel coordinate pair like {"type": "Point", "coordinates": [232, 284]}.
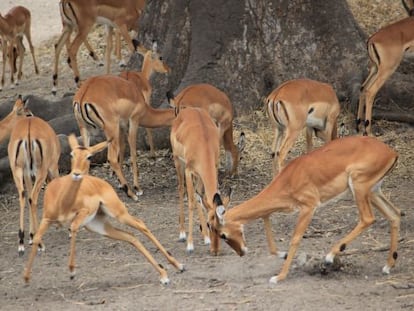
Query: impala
{"type": "Point", "coordinates": [195, 145]}
{"type": "Point", "coordinates": [33, 152]}
{"type": "Point", "coordinates": [13, 26]}
{"type": "Point", "coordinates": [297, 104]}
{"type": "Point", "coordinates": [386, 49]}
{"type": "Point", "coordinates": [356, 163]}
{"type": "Point", "coordinates": [81, 15]}
{"type": "Point", "coordinates": [81, 200]}
{"type": "Point", "coordinates": [110, 103]}
{"type": "Point", "coordinates": [152, 62]}
{"type": "Point", "coordinates": [220, 108]}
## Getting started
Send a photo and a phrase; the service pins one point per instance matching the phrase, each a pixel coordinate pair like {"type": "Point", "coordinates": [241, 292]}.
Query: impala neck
{"type": "Point", "coordinates": [271, 199]}
{"type": "Point", "coordinates": [209, 178]}
{"type": "Point", "coordinates": [154, 118]}
{"type": "Point", "coordinates": [146, 69]}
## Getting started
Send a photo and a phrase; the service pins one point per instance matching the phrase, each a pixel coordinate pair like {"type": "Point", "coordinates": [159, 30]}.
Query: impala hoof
{"type": "Point", "coordinates": [165, 281]}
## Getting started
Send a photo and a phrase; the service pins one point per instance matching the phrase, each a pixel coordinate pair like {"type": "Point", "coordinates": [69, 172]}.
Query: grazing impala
{"type": "Point", "coordinates": [297, 104]}
{"type": "Point", "coordinates": [33, 152]}
{"type": "Point", "coordinates": [111, 103]}
{"type": "Point", "coordinates": [220, 109]}
{"type": "Point", "coordinates": [356, 163]}
{"type": "Point", "coordinates": [152, 62]}
{"type": "Point", "coordinates": [13, 26]}
{"type": "Point", "coordinates": [195, 144]}
{"type": "Point", "coordinates": [81, 200]}
{"type": "Point", "coordinates": [81, 15]}
{"type": "Point", "coordinates": [386, 49]}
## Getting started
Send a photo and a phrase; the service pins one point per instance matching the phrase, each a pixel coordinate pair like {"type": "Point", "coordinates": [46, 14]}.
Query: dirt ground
{"type": "Point", "coordinates": [113, 276]}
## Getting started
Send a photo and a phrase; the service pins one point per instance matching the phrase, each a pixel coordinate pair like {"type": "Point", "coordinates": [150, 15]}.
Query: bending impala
{"type": "Point", "coordinates": [81, 15]}
{"type": "Point", "coordinates": [386, 49]}
{"type": "Point", "coordinates": [152, 62]}
{"type": "Point", "coordinates": [83, 200]}
{"type": "Point", "coordinates": [297, 104]}
{"type": "Point", "coordinates": [195, 144]}
{"type": "Point", "coordinates": [33, 152]}
{"type": "Point", "coordinates": [13, 26]}
{"type": "Point", "coordinates": [220, 108]}
{"type": "Point", "coordinates": [358, 164]}
{"type": "Point", "coordinates": [111, 103]}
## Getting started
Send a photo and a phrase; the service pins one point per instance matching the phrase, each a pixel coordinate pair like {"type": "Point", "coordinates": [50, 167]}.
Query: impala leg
{"type": "Point", "coordinates": [73, 50]}
{"type": "Point", "coordinates": [138, 224]}
{"type": "Point", "coordinates": [190, 196]}
{"type": "Point", "coordinates": [179, 166]}
{"type": "Point", "coordinates": [37, 242]}
{"type": "Point", "coordinates": [64, 38]}
{"type": "Point", "coordinates": [150, 142]}
{"type": "Point", "coordinates": [110, 31]}
{"type": "Point", "coordinates": [269, 237]}
{"type": "Point", "coordinates": [279, 133]}
{"type": "Point", "coordinates": [304, 218]}
{"type": "Point", "coordinates": [90, 49]}
{"type": "Point", "coordinates": [232, 154]}
{"type": "Point", "coordinates": [366, 218]}
{"type": "Point", "coordinates": [287, 143]}
{"type": "Point", "coordinates": [29, 39]}
{"type": "Point", "coordinates": [18, 180]}
{"type": "Point", "coordinates": [393, 215]}
{"type": "Point", "coordinates": [4, 52]}
{"type": "Point", "coordinates": [309, 142]}
{"type": "Point", "coordinates": [124, 32]}
{"type": "Point", "coordinates": [33, 199]}
{"type": "Point", "coordinates": [11, 57]}
{"type": "Point", "coordinates": [201, 216]}
{"type": "Point", "coordinates": [32, 214]}
{"type": "Point", "coordinates": [113, 156]}
{"type": "Point", "coordinates": [132, 141]}
{"type": "Point", "coordinates": [20, 52]}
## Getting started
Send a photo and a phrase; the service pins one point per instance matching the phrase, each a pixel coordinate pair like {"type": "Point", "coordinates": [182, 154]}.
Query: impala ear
{"type": "Point", "coordinates": [220, 211]}
{"type": "Point", "coordinates": [154, 46]}
{"type": "Point", "coordinates": [73, 141]}
{"type": "Point", "coordinates": [99, 147]}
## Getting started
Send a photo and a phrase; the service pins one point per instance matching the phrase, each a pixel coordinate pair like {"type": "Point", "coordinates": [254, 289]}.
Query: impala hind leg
{"type": "Point", "coordinates": [366, 218]}
{"type": "Point", "coordinates": [393, 215]}
{"type": "Point", "coordinates": [270, 240]}
{"type": "Point", "coordinates": [37, 245]}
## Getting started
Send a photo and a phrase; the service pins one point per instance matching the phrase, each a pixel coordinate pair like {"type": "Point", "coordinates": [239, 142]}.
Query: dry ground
{"type": "Point", "coordinates": [112, 276]}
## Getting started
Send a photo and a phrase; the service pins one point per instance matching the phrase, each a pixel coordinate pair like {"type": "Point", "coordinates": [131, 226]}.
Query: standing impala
{"type": "Point", "coordinates": [33, 152]}
{"type": "Point", "coordinates": [220, 108]}
{"type": "Point", "coordinates": [13, 26]}
{"type": "Point", "coordinates": [83, 200]}
{"type": "Point", "coordinates": [356, 163]}
{"type": "Point", "coordinates": [195, 144]}
{"type": "Point", "coordinates": [82, 15]}
{"type": "Point", "coordinates": [297, 104]}
{"type": "Point", "coordinates": [152, 62]}
{"type": "Point", "coordinates": [386, 49]}
{"type": "Point", "coordinates": [111, 103]}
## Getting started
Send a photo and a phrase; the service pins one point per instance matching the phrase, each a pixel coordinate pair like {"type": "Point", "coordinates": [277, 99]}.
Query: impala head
{"type": "Point", "coordinates": [81, 157]}
{"type": "Point", "coordinates": [153, 58]}
{"type": "Point", "coordinates": [229, 231]}
{"type": "Point", "coordinates": [20, 109]}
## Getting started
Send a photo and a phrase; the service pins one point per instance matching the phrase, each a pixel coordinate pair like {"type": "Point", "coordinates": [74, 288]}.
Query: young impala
{"type": "Point", "coordinates": [355, 163]}
{"type": "Point", "coordinates": [195, 144]}
{"type": "Point", "coordinates": [33, 152]}
{"type": "Point", "coordinates": [152, 62]}
{"type": "Point", "coordinates": [13, 26]}
{"type": "Point", "coordinates": [297, 104]}
{"type": "Point", "coordinates": [81, 200]}
{"type": "Point", "coordinates": [220, 108]}
{"type": "Point", "coordinates": [112, 103]}
{"type": "Point", "coordinates": [81, 16]}
{"type": "Point", "coordinates": [386, 49]}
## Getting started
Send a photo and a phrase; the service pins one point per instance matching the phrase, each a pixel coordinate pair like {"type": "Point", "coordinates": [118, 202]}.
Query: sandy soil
{"type": "Point", "coordinates": [112, 276]}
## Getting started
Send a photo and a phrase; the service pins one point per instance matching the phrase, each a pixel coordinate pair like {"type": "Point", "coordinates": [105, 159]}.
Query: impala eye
{"type": "Point", "coordinates": [160, 57]}
{"type": "Point", "coordinates": [89, 157]}
{"type": "Point", "coordinates": [223, 236]}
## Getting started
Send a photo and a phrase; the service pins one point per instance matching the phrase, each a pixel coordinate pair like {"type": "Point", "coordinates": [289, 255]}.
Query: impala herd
{"type": "Point", "coordinates": [201, 120]}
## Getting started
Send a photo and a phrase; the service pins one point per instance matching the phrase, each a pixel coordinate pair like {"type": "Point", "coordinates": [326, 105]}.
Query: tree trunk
{"type": "Point", "coordinates": [247, 48]}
